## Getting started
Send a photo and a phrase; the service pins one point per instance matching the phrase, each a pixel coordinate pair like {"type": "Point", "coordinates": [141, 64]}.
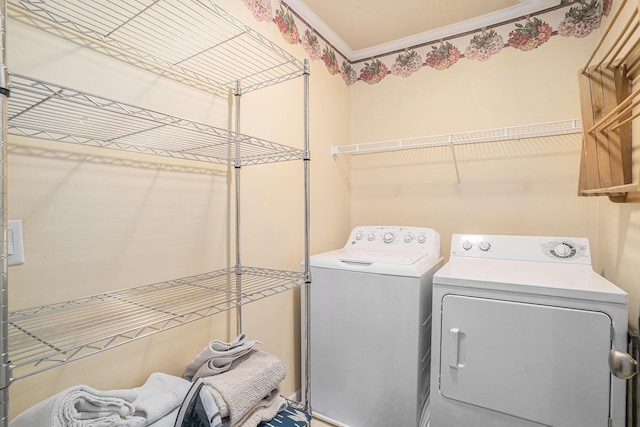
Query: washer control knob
{"type": "Point", "coordinates": [359, 236]}
{"type": "Point", "coordinates": [388, 237]}
{"type": "Point", "coordinates": [408, 238]}
{"type": "Point", "coordinates": [563, 250]}
{"type": "Point", "coordinates": [484, 246]}
{"type": "Point", "coordinates": [422, 238]}
{"type": "Point", "coordinates": [466, 245]}
{"type": "Point", "coordinates": [371, 237]}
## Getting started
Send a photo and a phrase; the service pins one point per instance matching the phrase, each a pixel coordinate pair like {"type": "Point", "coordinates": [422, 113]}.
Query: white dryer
{"type": "Point", "coordinates": [522, 331]}
{"type": "Point", "coordinates": [371, 326]}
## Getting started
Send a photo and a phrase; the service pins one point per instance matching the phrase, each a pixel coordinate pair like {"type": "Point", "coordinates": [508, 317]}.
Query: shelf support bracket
{"type": "Point", "coordinates": [455, 162]}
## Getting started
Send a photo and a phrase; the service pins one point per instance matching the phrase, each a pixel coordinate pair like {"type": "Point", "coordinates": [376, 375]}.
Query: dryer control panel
{"type": "Point", "coordinates": [394, 238]}
{"type": "Point", "coordinates": [569, 250]}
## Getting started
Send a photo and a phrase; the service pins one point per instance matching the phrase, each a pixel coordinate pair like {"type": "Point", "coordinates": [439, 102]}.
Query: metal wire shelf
{"type": "Point", "coordinates": [43, 337]}
{"type": "Point", "coordinates": [563, 127]}
{"type": "Point", "coordinates": [195, 42]}
{"type": "Point", "coordinates": [45, 110]}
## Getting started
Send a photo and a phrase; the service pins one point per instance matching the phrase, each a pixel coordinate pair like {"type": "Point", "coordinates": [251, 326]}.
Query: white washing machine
{"type": "Point", "coordinates": [371, 327]}
{"type": "Point", "coordinates": [522, 331]}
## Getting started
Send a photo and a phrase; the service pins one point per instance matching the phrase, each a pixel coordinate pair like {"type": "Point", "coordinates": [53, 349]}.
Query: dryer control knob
{"type": "Point", "coordinates": [466, 245]}
{"type": "Point", "coordinates": [388, 237]}
{"type": "Point", "coordinates": [484, 246]}
{"type": "Point", "coordinates": [371, 237]}
{"type": "Point", "coordinates": [563, 250]}
{"type": "Point", "coordinates": [422, 238]}
{"type": "Point", "coordinates": [359, 236]}
{"type": "Point", "coordinates": [408, 238]}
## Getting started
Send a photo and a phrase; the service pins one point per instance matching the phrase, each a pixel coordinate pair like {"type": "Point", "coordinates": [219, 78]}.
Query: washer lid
{"type": "Point", "coordinates": [409, 264]}
{"type": "Point", "coordinates": [371, 256]}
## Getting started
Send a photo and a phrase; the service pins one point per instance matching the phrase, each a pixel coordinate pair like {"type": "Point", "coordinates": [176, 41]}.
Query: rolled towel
{"type": "Point", "coordinates": [253, 377]}
{"type": "Point", "coordinates": [83, 406]}
{"type": "Point", "coordinates": [217, 357]}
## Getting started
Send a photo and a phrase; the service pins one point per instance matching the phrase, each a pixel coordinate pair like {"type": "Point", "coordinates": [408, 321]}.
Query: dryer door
{"type": "Point", "coordinates": [540, 363]}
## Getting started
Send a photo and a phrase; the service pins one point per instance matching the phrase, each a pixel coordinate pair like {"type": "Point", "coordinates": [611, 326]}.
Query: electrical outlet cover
{"type": "Point", "coordinates": [15, 243]}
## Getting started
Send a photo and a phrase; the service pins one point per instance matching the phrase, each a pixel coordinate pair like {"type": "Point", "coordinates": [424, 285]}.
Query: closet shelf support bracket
{"type": "Point", "coordinates": [455, 163]}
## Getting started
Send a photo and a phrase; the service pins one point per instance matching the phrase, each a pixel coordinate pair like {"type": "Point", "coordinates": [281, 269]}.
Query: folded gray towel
{"type": "Point", "coordinates": [253, 377]}
{"type": "Point", "coordinates": [217, 357]}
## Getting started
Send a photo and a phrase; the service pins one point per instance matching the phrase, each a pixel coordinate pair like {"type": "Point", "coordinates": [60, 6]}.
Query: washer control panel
{"type": "Point", "coordinates": [526, 248]}
{"type": "Point", "coordinates": [394, 238]}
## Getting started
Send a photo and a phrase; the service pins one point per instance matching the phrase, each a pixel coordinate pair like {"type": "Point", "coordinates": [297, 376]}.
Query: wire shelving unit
{"type": "Point", "coordinates": [198, 44]}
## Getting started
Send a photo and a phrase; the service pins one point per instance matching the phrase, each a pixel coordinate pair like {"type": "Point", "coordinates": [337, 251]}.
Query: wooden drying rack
{"type": "Point", "coordinates": [608, 100]}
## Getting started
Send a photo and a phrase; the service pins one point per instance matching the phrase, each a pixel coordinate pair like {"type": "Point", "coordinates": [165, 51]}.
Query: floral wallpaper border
{"type": "Point", "coordinates": [571, 18]}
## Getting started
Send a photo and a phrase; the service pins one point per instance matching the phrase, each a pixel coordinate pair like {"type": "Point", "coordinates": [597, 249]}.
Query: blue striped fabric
{"type": "Point", "coordinates": [290, 417]}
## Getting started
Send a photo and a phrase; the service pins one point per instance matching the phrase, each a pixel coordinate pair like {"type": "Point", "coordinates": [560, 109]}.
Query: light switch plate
{"type": "Point", "coordinates": [15, 245]}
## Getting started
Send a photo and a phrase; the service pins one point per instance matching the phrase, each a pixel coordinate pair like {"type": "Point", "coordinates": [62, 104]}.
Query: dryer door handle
{"type": "Point", "coordinates": [456, 337]}
{"type": "Point", "coordinates": [622, 365]}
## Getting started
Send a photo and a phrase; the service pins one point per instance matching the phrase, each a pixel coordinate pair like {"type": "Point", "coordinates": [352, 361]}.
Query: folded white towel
{"type": "Point", "coordinates": [265, 410]}
{"type": "Point", "coordinates": [159, 396]}
{"type": "Point", "coordinates": [167, 421]}
{"type": "Point", "coordinates": [217, 357]}
{"type": "Point", "coordinates": [84, 406]}
{"type": "Point", "coordinates": [252, 379]}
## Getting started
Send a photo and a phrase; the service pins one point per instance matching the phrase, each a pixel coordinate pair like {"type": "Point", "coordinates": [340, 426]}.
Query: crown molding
{"type": "Point", "coordinates": [526, 7]}
{"type": "Point", "coordinates": [320, 27]}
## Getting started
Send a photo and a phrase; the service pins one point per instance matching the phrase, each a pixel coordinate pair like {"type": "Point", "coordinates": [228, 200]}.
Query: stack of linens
{"type": "Point", "coordinates": [244, 382]}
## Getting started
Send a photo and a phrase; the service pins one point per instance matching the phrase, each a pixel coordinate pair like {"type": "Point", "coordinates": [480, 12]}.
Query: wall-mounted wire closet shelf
{"type": "Point", "coordinates": [47, 336]}
{"type": "Point", "coordinates": [195, 42]}
{"type": "Point", "coordinates": [45, 110]}
{"type": "Point", "coordinates": [563, 127]}
{"type": "Point", "coordinates": [537, 130]}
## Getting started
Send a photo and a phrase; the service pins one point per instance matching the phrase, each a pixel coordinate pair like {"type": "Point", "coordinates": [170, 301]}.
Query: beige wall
{"type": "Point", "coordinates": [619, 249]}
{"type": "Point", "coordinates": [97, 220]}
{"type": "Point", "coordinates": [525, 186]}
